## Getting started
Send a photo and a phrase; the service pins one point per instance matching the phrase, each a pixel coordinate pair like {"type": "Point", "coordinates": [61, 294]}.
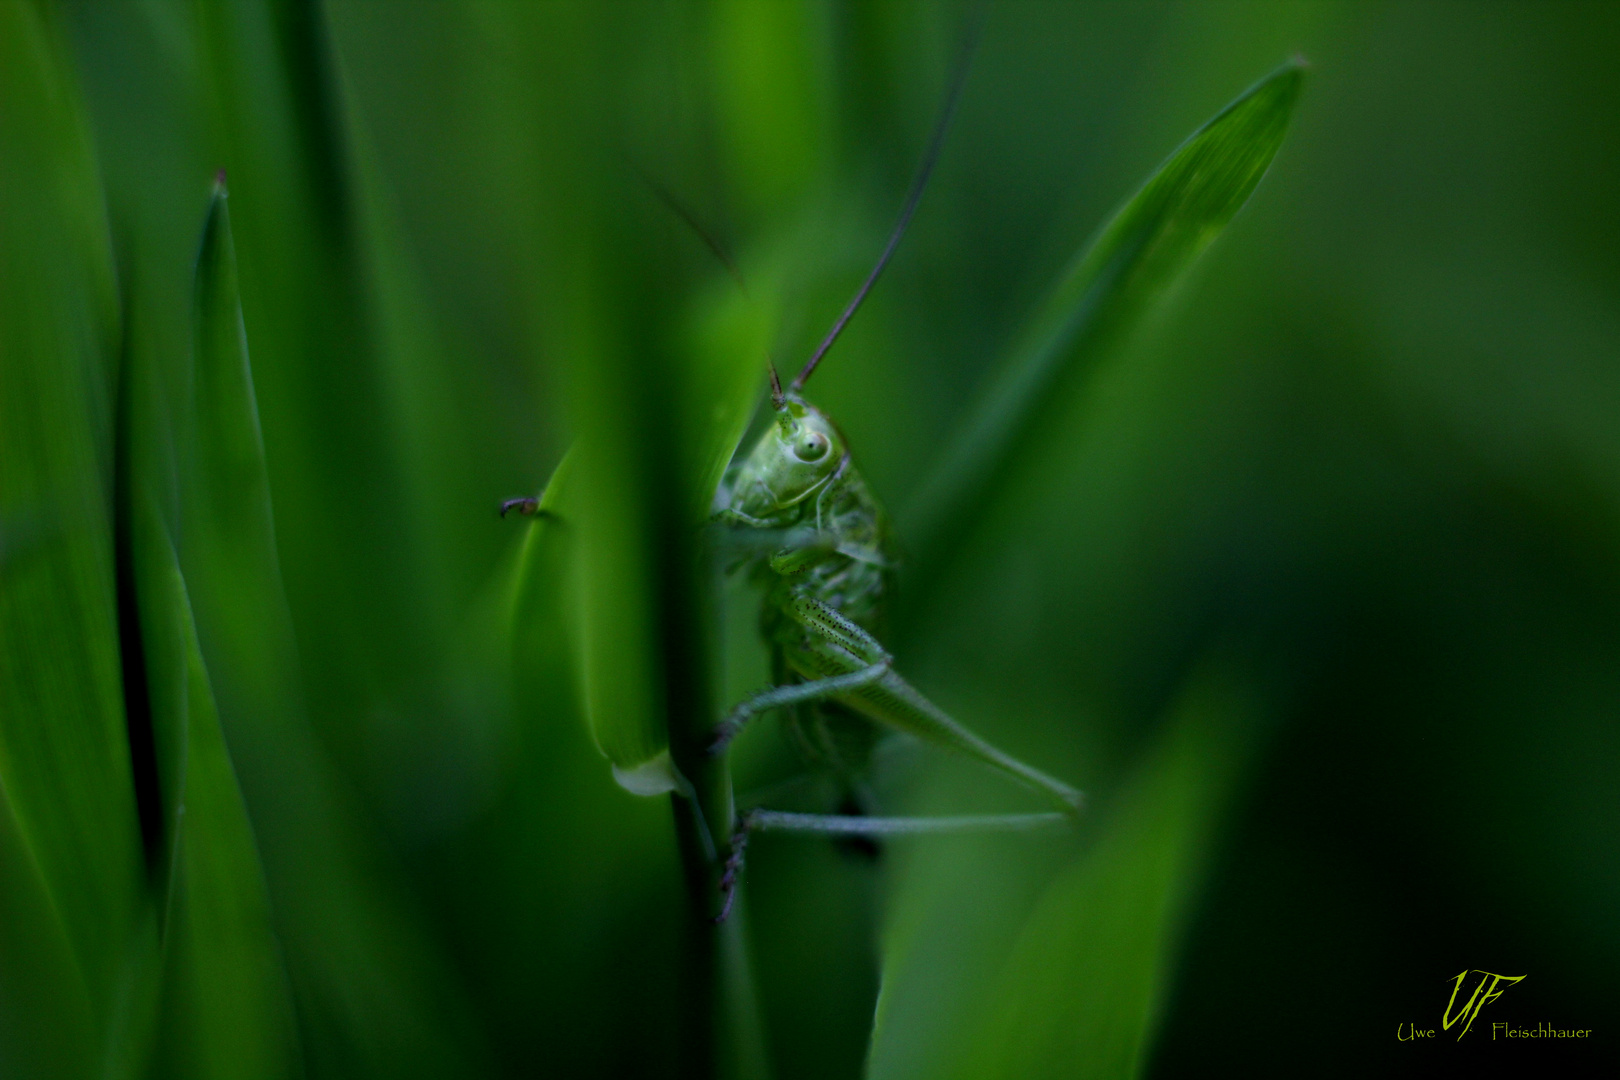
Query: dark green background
{"type": "Point", "coordinates": [1369, 457]}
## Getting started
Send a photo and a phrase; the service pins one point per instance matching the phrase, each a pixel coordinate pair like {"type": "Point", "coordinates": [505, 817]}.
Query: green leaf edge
{"type": "Point", "coordinates": [1113, 283]}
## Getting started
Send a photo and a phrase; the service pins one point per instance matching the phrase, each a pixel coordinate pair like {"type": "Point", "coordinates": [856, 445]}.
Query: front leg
{"type": "Point", "coordinates": [727, 516]}
{"type": "Point", "coordinates": [848, 657]}
{"type": "Point", "coordinates": [793, 694]}
{"type": "Point", "coordinates": [735, 535]}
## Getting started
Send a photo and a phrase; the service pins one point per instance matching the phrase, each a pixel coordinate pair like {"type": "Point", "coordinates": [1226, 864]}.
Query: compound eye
{"type": "Point", "coordinates": [812, 446]}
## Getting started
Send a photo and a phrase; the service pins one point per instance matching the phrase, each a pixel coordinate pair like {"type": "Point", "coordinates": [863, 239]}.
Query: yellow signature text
{"type": "Point", "coordinates": [1485, 991]}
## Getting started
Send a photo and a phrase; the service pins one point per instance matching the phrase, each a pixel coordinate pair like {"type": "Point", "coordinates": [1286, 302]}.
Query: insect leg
{"type": "Point", "coordinates": [792, 694]}
{"type": "Point", "coordinates": [734, 865]}
{"type": "Point", "coordinates": [896, 703]}
{"type": "Point", "coordinates": [737, 535]}
{"type": "Point", "coordinates": [890, 700]}
{"type": "Point", "coordinates": [830, 626]}
{"type": "Point", "coordinates": [853, 825]}
{"type": "Point", "coordinates": [729, 516]}
{"type": "Point", "coordinates": [860, 825]}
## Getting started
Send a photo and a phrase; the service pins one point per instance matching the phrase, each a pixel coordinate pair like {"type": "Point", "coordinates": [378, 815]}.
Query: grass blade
{"type": "Point", "coordinates": [721, 354]}
{"type": "Point", "coordinates": [69, 818]}
{"type": "Point", "coordinates": [46, 1020]}
{"type": "Point", "coordinates": [1132, 262]}
{"type": "Point", "coordinates": [355, 957]}
{"type": "Point", "coordinates": [346, 515]}
{"type": "Point", "coordinates": [562, 811]}
{"type": "Point", "coordinates": [1078, 992]}
{"type": "Point", "coordinates": [227, 1011]}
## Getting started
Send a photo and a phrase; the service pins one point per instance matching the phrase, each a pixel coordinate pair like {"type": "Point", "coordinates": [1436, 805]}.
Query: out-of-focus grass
{"type": "Point", "coordinates": [72, 882]}
{"type": "Point", "coordinates": [1373, 445]}
{"type": "Point", "coordinates": [1139, 254]}
{"type": "Point", "coordinates": [1077, 989]}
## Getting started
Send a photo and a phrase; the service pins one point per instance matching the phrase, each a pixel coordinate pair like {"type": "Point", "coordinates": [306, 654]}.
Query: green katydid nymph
{"type": "Point", "coordinates": [821, 549]}
{"type": "Point", "coordinates": [825, 591]}
{"type": "Point", "coordinates": [826, 573]}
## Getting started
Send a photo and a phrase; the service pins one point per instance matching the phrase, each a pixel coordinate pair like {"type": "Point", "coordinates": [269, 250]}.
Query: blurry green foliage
{"type": "Point", "coordinates": [1314, 587]}
{"type": "Point", "coordinates": [73, 877]}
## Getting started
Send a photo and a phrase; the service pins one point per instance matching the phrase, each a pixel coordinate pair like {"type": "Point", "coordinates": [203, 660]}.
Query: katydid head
{"type": "Point", "coordinates": [794, 458]}
{"type": "Point", "coordinates": [802, 452]}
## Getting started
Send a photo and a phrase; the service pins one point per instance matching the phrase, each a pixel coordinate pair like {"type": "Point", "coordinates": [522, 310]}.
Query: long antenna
{"type": "Point", "coordinates": [777, 397]}
{"type": "Point", "coordinates": [913, 197]}
{"type": "Point", "coordinates": [682, 211]}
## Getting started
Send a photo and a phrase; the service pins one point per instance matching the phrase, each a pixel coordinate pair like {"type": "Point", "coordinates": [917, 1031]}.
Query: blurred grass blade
{"type": "Point", "coordinates": [1085, 978]}
{"type": "Point", "coordinates": [153, 624]}
{"type": "Point", "coordinates": [722, 352]}
{"type": "Point", "coordinates": [1133, 261]}
{"type": "Point", "coordinates": [46, 1022]}
{"type": "Point", "coordinates": [227, 1007]}
{"type": "Point", "coordinates": [356, 961]}
{"type": "Point", "coordinates": [726, 337]}
{"type": "Point", "coordinates": [374, 685]}
{"type": "Point", "coordinates": [536, 596]}
{"type": "Point", "coordinates": [772, 103]}
{"type": "Point", "coordinates": [1088, 976]}
{"type": "Point", "coordinates": [624, 514]}
{"type": "Point", "coordinates": [542, 598]}
{"type": "Point", "coordinates": [71, 836]}
{"type": "Point", "coordinates": [329, 410]}
{"type": "Point", "coordinates": [226, 1010]}
{"type": "Point", "coordinates": [612, 303]}
{"type": "Point", "coordinates": [560, 811]}
{"type": "Point", "coordinates": [722, 349]}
